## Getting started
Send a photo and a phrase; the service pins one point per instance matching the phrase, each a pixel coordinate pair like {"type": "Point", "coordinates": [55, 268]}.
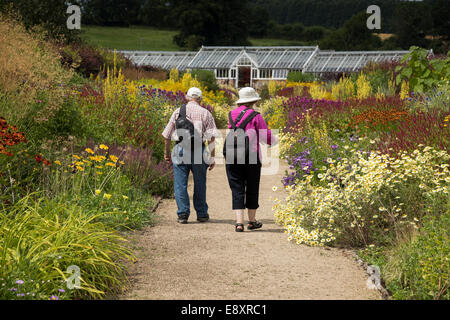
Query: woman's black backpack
{"type": "Point", "coordinates": [237, 144]}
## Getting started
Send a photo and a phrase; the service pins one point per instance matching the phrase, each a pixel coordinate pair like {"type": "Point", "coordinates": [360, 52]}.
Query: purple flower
{"type": "Point", "coordinates": [19, 281]}
{"type": "Point", "coordinates": [334, 147]}
{"type": "Point", "coordinates": [61, 290]}
{"type": "Point", "coordinates": [54, 298]}
{"type": "Point", "coordinates": [13, 289]}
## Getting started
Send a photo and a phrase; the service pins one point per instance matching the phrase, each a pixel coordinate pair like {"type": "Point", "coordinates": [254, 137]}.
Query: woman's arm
{"type": "Point", "coordinates": [264, 133]}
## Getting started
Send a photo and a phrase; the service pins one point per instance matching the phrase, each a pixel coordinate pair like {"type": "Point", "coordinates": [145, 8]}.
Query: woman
{"type": "Point", "coordinates": [244, 178]}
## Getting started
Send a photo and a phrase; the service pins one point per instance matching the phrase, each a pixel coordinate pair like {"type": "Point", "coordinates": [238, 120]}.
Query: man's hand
{"type": "Point", "coordinates": [212, 164]}
{"type": "Point", "coordinates": [167, 145]}
{"type": "Point", "coordinates": [212, 151]}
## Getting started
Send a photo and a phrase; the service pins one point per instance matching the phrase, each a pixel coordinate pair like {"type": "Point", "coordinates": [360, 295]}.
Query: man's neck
{"type": "Point", "coordinates": [192, 102]}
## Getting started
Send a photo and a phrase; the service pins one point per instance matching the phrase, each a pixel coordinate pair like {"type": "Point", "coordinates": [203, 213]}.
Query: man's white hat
{"type": "Point", "coordinates": [194, 93]}
{"type": "Point", "coordinates": [247, 95]}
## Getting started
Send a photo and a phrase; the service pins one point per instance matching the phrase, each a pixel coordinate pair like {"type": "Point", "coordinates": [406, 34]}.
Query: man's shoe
{"type": "Point", "coordinates": [203, 219]}
{"type": "Point", "coordinates": [183, 218]}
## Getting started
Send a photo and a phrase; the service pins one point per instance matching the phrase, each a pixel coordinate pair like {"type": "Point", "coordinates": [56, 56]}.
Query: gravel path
{"type": "Point", "coordinates": [211, 261]}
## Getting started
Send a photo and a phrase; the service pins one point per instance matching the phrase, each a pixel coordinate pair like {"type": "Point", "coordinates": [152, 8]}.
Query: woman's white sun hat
{"type": "Point", "coordinates": [247, 95]}
{"type": "Point", "coordinates": [194, 93]}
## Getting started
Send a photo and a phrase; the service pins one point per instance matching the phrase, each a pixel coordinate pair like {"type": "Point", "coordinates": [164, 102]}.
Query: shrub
{"type": "Point", "coordinates": [29, 66]}
{"type": "Point", "coordinates": [421, 73]}
{"type": "Point", "coordinates": [95, 180]}
{"type": "Point", "coordinates": [143, 170]}
{"type": "Point", "coordinates": [298, 76]}
{"type": "Point", "coordinates": [41, 238]}
{"type": "Point", "coordinates": [264, 92]}
{"type": "Point", "coordinates": [418, 268]}
{"type": "Point", "coordinates": [366, 198]}
{"type": "Point", "coordinates": [206, 78]}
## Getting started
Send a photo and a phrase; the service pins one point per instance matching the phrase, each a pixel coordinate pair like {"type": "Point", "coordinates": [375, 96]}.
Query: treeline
{"type": "Point", "coordinates": [337, 24]}
{"type": "Point", "coordinates": [326, 13]}
{"type": "Point", "coordinates": [341, 24]}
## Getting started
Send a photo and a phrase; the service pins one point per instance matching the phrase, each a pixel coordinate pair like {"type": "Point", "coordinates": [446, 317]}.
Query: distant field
{"type": "Point", "coordinates": [133, 38]}
{"type": "Point", "coordinates": [150, 39]}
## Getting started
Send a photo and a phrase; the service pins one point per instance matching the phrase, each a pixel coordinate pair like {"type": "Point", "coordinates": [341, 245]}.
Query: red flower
{"type": "Point", "coordinates": [38, 158]}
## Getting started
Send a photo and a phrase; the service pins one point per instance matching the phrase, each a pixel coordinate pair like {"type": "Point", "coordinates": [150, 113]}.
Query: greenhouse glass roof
{"type": "Point", "coordinates": [279, 59]}
{"type": "Point", "coordinates": [161, 59]}
{"type": "Point", "coordinates": [348, 61]}
{"type": "Point", "coordinates": [261, 57]}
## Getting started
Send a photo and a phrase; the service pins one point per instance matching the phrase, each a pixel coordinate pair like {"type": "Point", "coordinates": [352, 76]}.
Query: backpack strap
{"type": "Point", "coordinates": [248, 119]}
{"type": "Point", "coordinates": [182, 113]}
{"type": "Point", "coordinates": [239, 118]}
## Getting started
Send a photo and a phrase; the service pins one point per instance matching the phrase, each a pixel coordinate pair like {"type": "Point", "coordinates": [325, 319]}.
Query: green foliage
{"type": "Point", "coordinates": [298, 76]}
{"type": "Point", "coordinates": [413, 21]}
{"type": "Point", "coordinates": [419, 268]}
{"type": "Point", "coordinates": [207, 78]}
{"type": "Point", "coordinates": [64, 121]}
{"type": "Point", "coordinates": [211, 23]}
{"type": "Point", "coordinates": [264, 93]}
{"type": "Point", "coordinates": [421, 73]}
{"type": "Point", "coordinates": [41, 238]}
{"type": "Point", "coordinates": [354, 35]}
{"type": "Point", "coordinates": [47, 14]}
{"type": "Point", "coordinates": [436, 99]}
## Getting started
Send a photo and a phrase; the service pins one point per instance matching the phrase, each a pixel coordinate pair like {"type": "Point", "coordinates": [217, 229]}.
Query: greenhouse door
{"type": "Point", "coordinates": [244, 79]}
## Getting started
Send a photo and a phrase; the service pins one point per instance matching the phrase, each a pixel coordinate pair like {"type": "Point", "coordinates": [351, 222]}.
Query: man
{"type": "Point", "coordinates": [188, 158]}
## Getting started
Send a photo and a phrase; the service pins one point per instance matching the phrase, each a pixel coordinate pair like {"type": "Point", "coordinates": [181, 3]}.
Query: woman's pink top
{"type": "Point", "coordinates": [255, 128]}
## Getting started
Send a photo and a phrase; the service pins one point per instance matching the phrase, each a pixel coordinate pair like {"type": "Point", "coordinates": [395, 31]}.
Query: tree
{"type": "Point", "coordinates": [111, 12]}
{"type": "Point", "coordinates": [49, 14]}
{"type": "Point", "coordinates": [441, 22]}
{"type": "Point", "coordinates": [314, 33]}
{"type": "Point", "coordinates": [354, 35]}
{"type": "Point", "coordinates": [219, 23]}
{"type": "Point", "coordinates": [258, 22]}
{"type": "Point", "coordinates": [157, 13]}
{"type": "Point", "coordinates": [413, 21]}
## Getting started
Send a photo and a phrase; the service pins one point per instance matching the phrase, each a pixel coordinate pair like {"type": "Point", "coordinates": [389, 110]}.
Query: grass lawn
{"type": "Point", "coordinates": [151, 39]}
{"type": "Point", "coordinates": [133, 38]}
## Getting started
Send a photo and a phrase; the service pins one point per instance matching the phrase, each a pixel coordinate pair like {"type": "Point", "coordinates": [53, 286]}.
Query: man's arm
{"type": "Point", "coordinates": [167, 134]}
{"type": "Point", "coordinates": [167, 153]}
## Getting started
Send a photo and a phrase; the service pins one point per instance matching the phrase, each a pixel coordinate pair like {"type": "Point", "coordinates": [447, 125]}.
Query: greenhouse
{"type": "Point", "coordinates": [255, 66]}
{"type": "Point", "coordinates": [161, 59]}
{"type": "Point", "coordinates": [348, 61]}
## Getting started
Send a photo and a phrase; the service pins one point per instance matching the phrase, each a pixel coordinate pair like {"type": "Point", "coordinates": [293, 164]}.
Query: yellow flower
{"type": "Point", "coordinates": [57, 162]}
{"type": "Point", "coordinates": [96, 158]}
{"type": "Point", "coordinates": [99, 173]}
{"type": "Point", "coordinates": [113, 158]}
{"type": "Point", "coordinates": [98, 191]}
{"type": "Point", "coordinates": [77, 157]}
{"type": "Point", "coordinates": [121, 162]}
{"type": "Point", "coordinates": [125, 197]}
{"type": "Point", "coordinates": [107, 196]}
{"type": "Point", "coordinates": [79, 163]}
{"type": "Point", "coordinates": [89, 150]}
{"type": "Point", "coordinates": [110, 164]}
{"type": "Point", "coordinates": [99, 167]}
{"type": "Point", "coordinates": [80, 168]}
{"type": "Point", "coordinates": [104, 147]}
